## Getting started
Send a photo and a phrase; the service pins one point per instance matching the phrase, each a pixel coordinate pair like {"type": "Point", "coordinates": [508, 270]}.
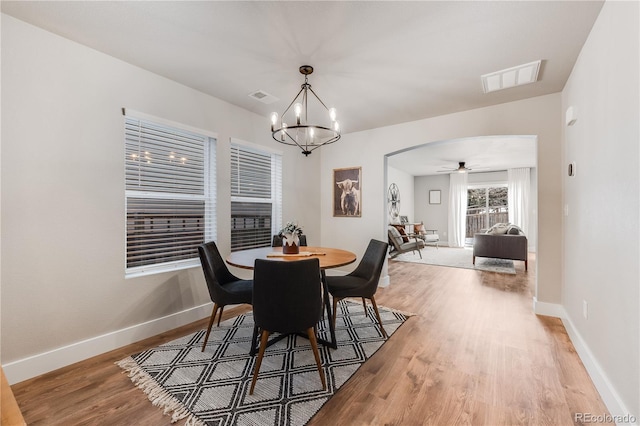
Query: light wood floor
{"type": "Point", "coordinates": [474, 354]}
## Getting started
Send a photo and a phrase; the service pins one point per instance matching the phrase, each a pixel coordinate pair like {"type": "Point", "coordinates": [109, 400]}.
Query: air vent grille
{"type": "Point", "coordinates": [264, 97]}
{"type": "Point", "coordinates": [511, 77]}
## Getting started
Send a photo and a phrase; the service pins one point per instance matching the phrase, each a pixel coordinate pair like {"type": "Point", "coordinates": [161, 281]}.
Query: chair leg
{"type": "Point", "coordinates": [264, 339]}
{"type": "Point", "coordinates": [335, 311]}
{"type": "Point", "coordinates": [474, 260]}
{"type": "Point", "coordinates": [375, 308]}
{"type": "Point", "coordinates": [316, 354]}
{"type": "Point", "coordinates": [220, 317]}
{"type": "Point", "coordinates": [211, 320]}
{"type": "Point", "coordinates": [254, 341]}
{"type": "Point", "coordinates": [526, 265]}
{"type": "Point", "coordinates": [364, 305]}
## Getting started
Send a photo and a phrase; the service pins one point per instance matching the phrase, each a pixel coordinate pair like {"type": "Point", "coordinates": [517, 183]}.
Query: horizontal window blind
{"type": "Point", "coordinates": [250, 173]}
{"type": "Point", "coordinates": [170, 203]}
{"type": "Point", "coordinates": [250, 225]}
{"type": "Point", "coordinates": [256, 182]}
{"type": "Point", "coordinates": [161, 159]}
{"type": "Point", "coordinates": [161, 231]}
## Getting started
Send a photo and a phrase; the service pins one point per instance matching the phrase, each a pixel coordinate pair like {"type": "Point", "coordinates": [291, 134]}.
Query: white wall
{"type": "Point", "coordinates": [536, 116]}
{"type": "Point", "coordinates": [404, 181]}
{"type": "Point", "coordinates": [600, 234]}
{"type": "Point", "coordinates": [64, 296]}
{"type": "Point", "coordinates": [434, 216]}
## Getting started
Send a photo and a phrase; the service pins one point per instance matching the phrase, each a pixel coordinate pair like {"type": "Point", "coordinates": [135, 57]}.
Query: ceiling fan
{"type": "Point", "coordinates": [460, 169]}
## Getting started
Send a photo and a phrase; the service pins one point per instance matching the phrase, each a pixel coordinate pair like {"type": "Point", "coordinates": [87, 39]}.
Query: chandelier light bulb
{"type": "Point", "coordinates": [336, 126]}
{"type": "Point", "coordinates": [284, 130]}
{"type": "Point", "coordinates": [297, 109]}
{"type": "Point", "coordinates": [332, 114]}
{"type": "Point", "coordinates": [274, 120]}
{"type": "Point", "coordinates": [311, 132]}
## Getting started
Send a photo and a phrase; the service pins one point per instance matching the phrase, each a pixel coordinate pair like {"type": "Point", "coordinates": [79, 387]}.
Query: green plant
{"type": "Point", "coordinates": [291, 228]}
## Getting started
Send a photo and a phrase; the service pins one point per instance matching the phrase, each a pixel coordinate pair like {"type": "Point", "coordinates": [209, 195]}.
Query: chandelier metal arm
{"type": "Point", "coordinates": [293, 102]}
{"type": "Point", "coordinates": [318, 98]}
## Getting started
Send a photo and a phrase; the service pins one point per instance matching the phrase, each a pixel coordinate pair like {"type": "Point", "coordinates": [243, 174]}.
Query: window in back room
{"type": "Point", "coordinates": [486, 206]}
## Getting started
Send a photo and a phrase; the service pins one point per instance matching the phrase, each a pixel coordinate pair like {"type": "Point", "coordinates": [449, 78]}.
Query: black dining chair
{"type": "Point", "coordinates": [224, 287]}
{"type": "Point", "coordinates": [287, 299]}
{"type": "Point", "coordinates": [362, 282]}
{"type": "Point", "coordinates": [277, 241]}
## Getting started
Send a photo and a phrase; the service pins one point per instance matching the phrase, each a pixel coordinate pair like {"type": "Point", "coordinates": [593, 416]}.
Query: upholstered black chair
{"type": "Point", "coordinates": [287, 299]}
{"type": "Point", "coordinates": [277, 241]}
{"type": "Point", "coordinates": [363, 281]}
{"type": "Point", "coordinates": [224, 287]}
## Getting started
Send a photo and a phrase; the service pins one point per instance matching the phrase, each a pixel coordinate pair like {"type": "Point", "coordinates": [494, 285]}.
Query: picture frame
{"type": "Point", "coordinates": [347, 192]}
{"type": "Point", "coordinates": [404, 220]}
{"type": "Point", "coordinates": [434, 196]}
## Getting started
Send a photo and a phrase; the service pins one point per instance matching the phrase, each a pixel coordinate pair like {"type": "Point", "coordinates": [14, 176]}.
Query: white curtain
{"type": "Point", "coordinates": [518, 189]}
{"type": "Point", "coordinates": [457, 209]}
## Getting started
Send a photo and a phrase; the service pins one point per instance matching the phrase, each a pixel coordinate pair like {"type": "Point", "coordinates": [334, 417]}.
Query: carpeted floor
{"type": "Point", "coordinates": [458, 258]}
{"type": "Point", "coordinates": [212, 387]}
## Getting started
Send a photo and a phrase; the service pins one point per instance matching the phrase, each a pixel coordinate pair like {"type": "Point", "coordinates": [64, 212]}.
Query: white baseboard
{"type": "Point", "coordinates": [27, 368]}
{"type": "Point", "coordinates": [548, 309]}
{"type": "Point", "coordinates": [607, 391]}
{"type": "Point", "coordinates": [603, 385]}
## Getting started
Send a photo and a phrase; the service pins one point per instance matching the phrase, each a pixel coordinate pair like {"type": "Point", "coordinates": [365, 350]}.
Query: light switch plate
{"type": "Point", "coordinates": [571, 116]}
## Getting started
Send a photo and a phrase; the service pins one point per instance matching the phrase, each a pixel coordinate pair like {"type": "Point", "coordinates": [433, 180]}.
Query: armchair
{"type": "Point", "coordinates": [399, 245]}
{"type": "Point", "coordinates": [429, 236]}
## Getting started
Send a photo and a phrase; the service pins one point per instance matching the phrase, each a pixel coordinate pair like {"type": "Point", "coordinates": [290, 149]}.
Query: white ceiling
{"type": "Point", "coordinates": [481, 154]}
{"type": "Point", "coordinates": [379, 63]}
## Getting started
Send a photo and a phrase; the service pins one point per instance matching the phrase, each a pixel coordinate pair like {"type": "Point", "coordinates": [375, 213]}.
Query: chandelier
{"type": "Point", "coordinates": [300, 131]}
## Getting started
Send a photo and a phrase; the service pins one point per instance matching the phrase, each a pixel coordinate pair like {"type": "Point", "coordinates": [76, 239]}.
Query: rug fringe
{"type": "Point", "coordinates": [156, 394]}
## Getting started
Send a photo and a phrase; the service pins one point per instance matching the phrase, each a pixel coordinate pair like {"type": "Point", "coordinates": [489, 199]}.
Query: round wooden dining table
{"type": "Point", "coordinates": [328, 257]}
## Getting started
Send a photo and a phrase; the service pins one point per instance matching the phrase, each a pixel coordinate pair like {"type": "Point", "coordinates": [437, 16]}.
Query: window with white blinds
{"type": "Point", "coordinates": [256, 196]}
{"type": "Point", "coordinates": [170, 195]}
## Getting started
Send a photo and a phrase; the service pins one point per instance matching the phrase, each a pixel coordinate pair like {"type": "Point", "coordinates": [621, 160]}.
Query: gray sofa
{"type": "Point", "coordinates": [501, 246]}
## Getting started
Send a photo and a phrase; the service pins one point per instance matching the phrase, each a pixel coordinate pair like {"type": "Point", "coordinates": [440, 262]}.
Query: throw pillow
{"type": "Point", "coordinates": [418, 228]}
{"type": "Point", "coordinates": [499, 228]}
{"type": "Point", "coordinates": [403, 233]}
{"type": "Point", "coordinates": [514, 230]}
{"type": "Point", "coordinates": [395, 234]}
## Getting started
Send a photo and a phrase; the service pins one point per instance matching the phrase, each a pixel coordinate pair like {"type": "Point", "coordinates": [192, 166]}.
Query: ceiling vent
{"type": "Point", "coordinates": [511, 77]}
{"type": "Point", "coordinates": [263, 97]}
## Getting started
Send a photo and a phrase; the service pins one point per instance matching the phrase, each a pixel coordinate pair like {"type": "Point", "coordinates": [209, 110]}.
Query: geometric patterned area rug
{"type": "Point", "coordinates": [212, 387]}
{"type": "Point", "coordinates": [458, 258]}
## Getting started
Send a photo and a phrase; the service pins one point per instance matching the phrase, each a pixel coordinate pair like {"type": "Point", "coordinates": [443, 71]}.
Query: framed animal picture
{"type": "Point", "coordinates": [347, 192]}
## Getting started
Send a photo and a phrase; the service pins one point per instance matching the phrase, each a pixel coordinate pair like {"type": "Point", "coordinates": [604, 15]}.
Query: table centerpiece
{"type": "Point", "coordinates": [291, 238]}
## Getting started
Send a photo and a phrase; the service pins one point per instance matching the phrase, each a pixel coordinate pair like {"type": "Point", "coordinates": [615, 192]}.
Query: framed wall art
{"type": "Point", "coordinates": [347, 192]}
{"type": "Point", "coordinates": [434, 196]}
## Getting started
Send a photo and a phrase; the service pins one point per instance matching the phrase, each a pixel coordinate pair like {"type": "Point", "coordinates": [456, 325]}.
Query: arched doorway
{"type": "Point", "coordinates": [422, 175]}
